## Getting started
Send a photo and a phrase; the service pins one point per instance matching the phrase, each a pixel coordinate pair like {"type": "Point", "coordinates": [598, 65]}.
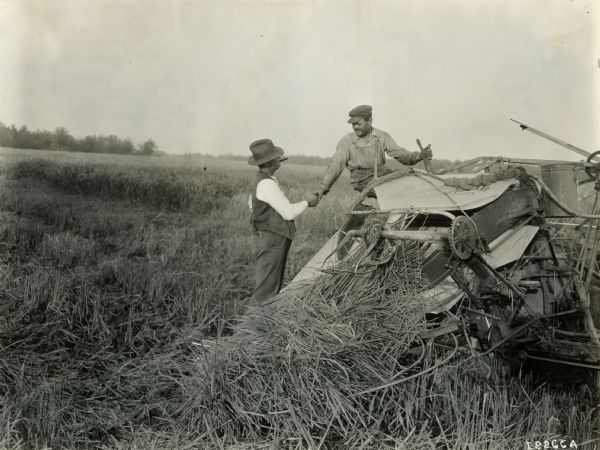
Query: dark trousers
{"type": "Point", "coordinates": [270, 252]}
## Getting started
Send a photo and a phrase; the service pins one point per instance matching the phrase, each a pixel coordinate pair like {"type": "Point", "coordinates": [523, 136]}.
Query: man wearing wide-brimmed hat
{"type": "Point", "coordinates": [272, 220]}
{"type": "Point", "coordinates": [363, 150]}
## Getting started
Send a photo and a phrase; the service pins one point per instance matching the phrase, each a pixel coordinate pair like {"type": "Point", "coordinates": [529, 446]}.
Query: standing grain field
{"type": "Point", "coordinates": [112, 267]}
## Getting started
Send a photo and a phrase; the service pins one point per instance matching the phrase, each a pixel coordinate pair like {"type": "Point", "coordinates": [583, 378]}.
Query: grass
{"type": "Point", "coordinates": [111, 266]}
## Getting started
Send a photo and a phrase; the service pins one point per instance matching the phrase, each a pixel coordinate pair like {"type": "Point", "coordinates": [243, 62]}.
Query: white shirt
{"type": "Point", "coordinates": [269, 191]}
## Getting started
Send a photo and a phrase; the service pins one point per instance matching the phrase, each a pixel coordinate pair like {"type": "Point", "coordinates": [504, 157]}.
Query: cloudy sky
{"type": "Point", "coordinates": [210, 76]}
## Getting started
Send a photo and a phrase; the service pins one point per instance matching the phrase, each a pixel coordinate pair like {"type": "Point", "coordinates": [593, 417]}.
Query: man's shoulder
{"type": "Point", "coordinates": [266, 182]}
{"type": "Point", "coordinates": [267, 187]}
{"type": "Point", "coordinates": [347, 139]}
{"type": "Point", "coordinates": [379, 133]}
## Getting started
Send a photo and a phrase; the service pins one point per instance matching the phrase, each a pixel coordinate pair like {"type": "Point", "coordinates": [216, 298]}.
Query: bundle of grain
{"type": "Point", "coordinates": [321, 361]}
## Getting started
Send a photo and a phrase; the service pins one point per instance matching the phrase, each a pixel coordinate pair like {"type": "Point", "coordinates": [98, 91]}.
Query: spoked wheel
{"type": "Point", "coordinates": [463, 237]}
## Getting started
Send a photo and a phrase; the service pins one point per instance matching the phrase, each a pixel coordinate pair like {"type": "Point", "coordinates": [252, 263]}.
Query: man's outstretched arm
{"type": "Point", "coordinates": [269, 191]}
{"type": "Point", "coordinates": [401, 154]}
{"type": "Point", "coordinates": [335, 168]}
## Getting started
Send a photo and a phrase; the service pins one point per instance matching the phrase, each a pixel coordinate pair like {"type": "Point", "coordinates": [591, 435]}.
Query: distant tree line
{"type": "Point", "coordinates": [61, 140]}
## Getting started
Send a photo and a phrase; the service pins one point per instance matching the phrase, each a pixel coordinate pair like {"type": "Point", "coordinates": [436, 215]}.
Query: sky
{"type": "Point", "coordinates": [212, 76]}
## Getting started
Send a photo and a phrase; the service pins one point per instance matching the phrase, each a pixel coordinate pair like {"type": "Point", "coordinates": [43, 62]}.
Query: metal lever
{"type": "Point", "coordinates": [426, 162]}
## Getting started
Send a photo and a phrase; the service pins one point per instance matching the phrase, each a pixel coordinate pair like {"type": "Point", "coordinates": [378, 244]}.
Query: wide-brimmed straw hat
{"type": "Point", "coordinates": [264, 151]}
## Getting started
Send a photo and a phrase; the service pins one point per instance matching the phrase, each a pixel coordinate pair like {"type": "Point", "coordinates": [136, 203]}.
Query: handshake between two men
{"type": "Point", "coordinates": [363, 151]}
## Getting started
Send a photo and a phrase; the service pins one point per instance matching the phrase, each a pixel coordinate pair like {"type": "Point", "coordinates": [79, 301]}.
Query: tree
{"type": "Point", "coordinates": [63, 140]}
{"type": "Point", "coordinates": [148, 147]}
{"type": "Point", "coordinates": [127, 147]}
{"type": "Point", "coordinates": [60, 139]}
{"type": "Point", "coordinates": [6, 136]}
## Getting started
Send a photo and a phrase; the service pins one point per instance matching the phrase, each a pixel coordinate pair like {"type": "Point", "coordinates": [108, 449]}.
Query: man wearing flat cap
{"type": "Point", "coordinates": [363, 151]}
{"type": "Point", "coordinates": [272, 220]}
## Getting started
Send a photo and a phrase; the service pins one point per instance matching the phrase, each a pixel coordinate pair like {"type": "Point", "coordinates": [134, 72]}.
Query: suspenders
{"type": "Point", "coordinates": [378, 150]}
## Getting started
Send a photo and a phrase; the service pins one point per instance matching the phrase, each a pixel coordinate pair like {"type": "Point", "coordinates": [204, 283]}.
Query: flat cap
{"type": "Point", "coordinates": [359, 112]}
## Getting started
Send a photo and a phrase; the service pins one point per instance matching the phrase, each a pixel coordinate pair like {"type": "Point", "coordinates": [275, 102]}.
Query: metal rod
{"type": "Point", "coordinates": [496, 159]}
{"type": "Point", "coordinates": [594, 251]}
{"type": "Point", "coordinates": [575, 225]}
{"type": "Point", "coordinates": [593, 259]}
{"type": "Point", "coordinates": [461, 165]}
{"type": "Point", "coordinates": [502, 278]}
{"type": "Point", "coordinates": [421, 236]}
{"type": "Point", "coordinates": [560, 142]}
{"type": "Point", "coordinates": [584, 299]}
{"type": "Point", "coordinates": [403, 211]}
{"type": "Point", "coordinates": [459, 281]}
{"type": "Point", "coordinates": [537, 162]}
{"type": "Point", "coordinates": [558, 361]}
{"type": "Point", "coordinates": [584, 249]}
{"type": "Point", "coordinates": [569, 333]}
{"type": "Point", "coordinates": [482, 313]}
